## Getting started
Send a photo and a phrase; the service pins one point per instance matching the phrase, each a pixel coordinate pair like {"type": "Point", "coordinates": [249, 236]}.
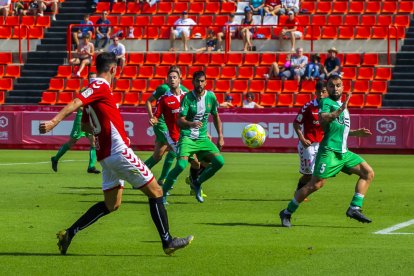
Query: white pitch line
{"type": "Point", "coordinates": [388, 231]}
{"type": "Point", "coordinates": [33, 163]}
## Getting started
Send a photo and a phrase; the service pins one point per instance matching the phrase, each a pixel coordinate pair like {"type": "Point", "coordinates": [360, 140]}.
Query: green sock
{"type": "Point", "coordinates": [63, 149]}
{"type": "Point", "coordinates": [92, 157]}
{"type": "Point", "coordinates": [169, 159]}
{"type": "Point", "coordinates": [357, 200]}
{"type": "Point", "coordinates": [150, 162]}
{"type": "Point", "coordinates": [216, 164]}
{"type": "Point", "coordinates": [292, 206]}
{"type": "Point", "coordinates": [172, 176]}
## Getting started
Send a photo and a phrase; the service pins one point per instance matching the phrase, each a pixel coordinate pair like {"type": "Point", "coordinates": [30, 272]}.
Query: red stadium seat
{"type": "Point", "coordinates": [165, 8]}
{"type": "Point", "coordinates": [56, 84]}
{"type": "Point", "coordinates": [6, 84]}
{"type": "Point", "coordinates": [153, 84]}
{"type": "Point", "coordinates": [368, 20]}
{"type": "Point", "coordinates": [319, 20]}
{"type": "Point", "coordinates": [260, 71]}
{"type": "Point", "coordinates": [384, 20]}
{"type": "Point", "coordinates": [36, 32]}
{"type": "Point", "coordinates": [196, 8]}
{"type": "Point", "coordinates": [267, 58]}
{"type": "Point", "coordinates": [370, 59]}
{"type": "Point", "coordinates": [218, 59]}
{"type": "Point", "coordinates": [212, 72]}
{"type": "Point", "coordinates": [245, 72]}
{"type": "Point", "coordinates": [64, 71]}
{"type": "Point", "coordinates": [205, 20]}
{"type": "Point", "coordinates": [12, 20]}
{"type": "Point", "coordinates": [363, 32]}
{"type": "Point", "coordinates": [346, 32]}
{"type": "Point", "coordinates": [352, 59]}
{"type": "Point", "coordinates": [168, 59]}
{"type": "Point", "coordinates": [193, 69]}
{"type": "Point", "coordinates": [228, 72]}
{"type": "Point", "coordinates": [64, 97]}
{"type": "Point", "coordinates": [349, 73]}
{"type": "Point", "coordinates": [127, 20]}
{"type": "Point", "coordinates": [185, 59]}
{"type": "Point", "coordinates": [302, 99]}
{"type": "Point", "coordinates": [234, 59]}
{"type": "Point", "coordinates": [273, 86]}
{"type": "Point", "coordinates": [147, 9]}
{"type": "Point", "coordinates": [155, 19]}
{"type": "Point", "coordinates": [102, 6]}
{"type": "Point", "coordinates": [351, 20]}
{"type": "Point", "coordinates": [239, 86]}
{"type": "Point", "coordinates": [1, 71]}
{"type": "Point", "coordinates": [22, 32]}
{"type": "Point", "coordinates": [324, 7]}
{"type": "Point", "coordinates": [188, 83]}
{"type": "Point", "coordinates": [237, 99]}
{"type": "Point", "coordinates": [212, 8]}
{"type": "Point", "coordinates": [146, 72]}
{"type": "Point", "coordinates": [340, 7]}
{"type": "Point", "coordinates": [402, 20]}
{"type": "Point", "coordinates": [308, 86]}
{"type": "Point", "coordinates": [132, 8]}
{"type": "Point", "coordinates": [347, 85]}
{"type": "Point", "coordinates": [366, 73]}
{"type": "Point", "coordinates": [285, 100]}
{"type": "Point", "coordinates": [144, 98]}
{"type": "Point", "coordinates": [257, 86]}
{"type": "Point", "coordinates": [361, 86]}
{"type": "Point", "coordinates": [228, 7]}
{"type": "Point", "coordinates": [378, 86]}
{"type": "Point", "coordinates": [389, 7]}
{"type": "Point", "coordinates": [383, 73]}
{"type": "Point", "coordinates": [179, 7]}
{"type": "Point", "coordinates": [372, 7]}
{"type": "Point", "coordinates": [161, 72]}
{"type": "Point", "coordinates": [153, 58]}
{"type": "Point", "coordinates": [48, 98]}
{"type": "Point", "coordinates": [139, 85]}
{"type": "Point", "coordinates": [118, 8]}
{"type": "Point", "coordinates": [73, 85]}
{"type": "Point", "coordinates": [310, 6]}
{"type": "Point", "coordinates": [290, 86]}
{"type": "Point", "coordinates": [201, 59]}
{"type": "Point", "coordinates": [267, 100]}
{"type": "Point", "coordinates": [251, 59]}
{"type": "Point", "coordinates": [28, 20]}
{"type": "Point", "coordinates": [131, 98]}
{"type": "Point", "coordinates": [312, 32]}
{"type": "Point", "coordinates": [220, 20]}
{"type": "Point", "coordinates": [2, 97]}
{"type": "Point", "coordinates": [222, 86]}
{"type": "Point", "coordinates": [335, 19]}
{"type": "Point", "coordinates": [5, 32]}
{"type": "Point", "coordinates": [136, 58]}
{"type": "Point", "coordinates": [356, 7]}
{"type": "Point", "coordinates": [118, 96]}
{"type": "Point", "coordinates": [373, 100]}
{"type": "Point", "coordinates": [12, 71]}
{"type": "Point", "coordinates": [130, 71]}
{"type": "Point", "coordinates": [379, 32]}
{"type": "Point", "coordinates": [172, 18]}
{"type": "Point", "coordinates": [406, 7]}
{"type": "Point", "coordinates": [329, 32]}
{"type": "Point", "coordinates": [357, 100]}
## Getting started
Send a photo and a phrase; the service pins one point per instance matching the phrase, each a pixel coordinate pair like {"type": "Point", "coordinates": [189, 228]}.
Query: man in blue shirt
{"type": "Point", "coordinates": [83, 30]}
{"type": "Point", "coordinates": [103, 31]}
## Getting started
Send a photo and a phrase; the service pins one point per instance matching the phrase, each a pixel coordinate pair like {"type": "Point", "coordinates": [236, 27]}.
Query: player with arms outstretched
{"type": "Point", "coordinates": [333, 155]}
{"type": "Point", "coordinates": [118, 161]}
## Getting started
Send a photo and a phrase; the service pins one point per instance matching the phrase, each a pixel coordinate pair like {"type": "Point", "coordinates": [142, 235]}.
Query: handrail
{"type": "Point", "coordinates": [21, 37]}
{"type": "Point", "coordinates": [227, 46]}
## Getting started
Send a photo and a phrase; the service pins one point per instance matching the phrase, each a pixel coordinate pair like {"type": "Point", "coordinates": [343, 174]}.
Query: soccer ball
{"type": "Point", "coordinates": [253, 135]}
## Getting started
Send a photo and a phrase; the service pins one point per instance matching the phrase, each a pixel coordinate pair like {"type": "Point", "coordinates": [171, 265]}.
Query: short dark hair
{"type": "Point", "coordinates": [175, 69]}
{"type": "Point", "coordinates": [198, 74]}
{"type": "Point", "coordinates": [104, 62]}
{"type": "Point", "coordinates": [334, 77]}
{"type": "Point", "coordinates": [320, 85]}
{"type": "Point", "coordinates": [249, 94]}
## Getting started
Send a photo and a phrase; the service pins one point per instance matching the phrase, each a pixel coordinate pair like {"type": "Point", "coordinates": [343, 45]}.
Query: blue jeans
{"type": "Point", "coordinates": [313, 70]}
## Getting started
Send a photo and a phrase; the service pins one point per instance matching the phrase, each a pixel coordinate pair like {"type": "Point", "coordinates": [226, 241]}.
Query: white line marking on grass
{"type": "Point", "coordinates": [389, 230]}
{"type": "Point", "coordinates": [33, 163]}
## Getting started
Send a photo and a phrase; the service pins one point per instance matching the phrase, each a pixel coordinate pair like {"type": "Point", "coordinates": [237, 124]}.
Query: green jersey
{"type": "Point", "coordinates": [160, 91]}
{"type": "Point", "coordinates": [336, 132]}
{"type": "Point", "coordinates": [195, 110]}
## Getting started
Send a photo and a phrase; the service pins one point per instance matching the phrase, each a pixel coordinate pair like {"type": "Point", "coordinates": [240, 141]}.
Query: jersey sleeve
{"type": "Point", "coordinates": [325, 106]}
{"type": "Point", "coordinates": [185, 89]}
{"type": "Point", "coordinates": [160, 91]}
{"type": "Point", "coordinates": [92, 93]}
{"type": "Point", "coordinates": [301, 114]}
{"type": "Point", "coordinates": [184, 106]}
{"type": "Point", "coordinates": [159, 109]}
{"type": "Point", "coordinates": [214, 104]}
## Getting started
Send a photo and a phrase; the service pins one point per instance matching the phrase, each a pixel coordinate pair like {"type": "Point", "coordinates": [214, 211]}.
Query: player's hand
{"type": "Point", "coordinates": [362, 132]}
{"type": "Point", "coordinates": [220, 142]}
{"type": "Point", "coordinates": [196, 124]}
{"type": "Point", "coordinates": [306, 143]}
{"type": "Point", "coordinates": [45, 127]}
{"type": "Point", "coordinates": [153, 121]}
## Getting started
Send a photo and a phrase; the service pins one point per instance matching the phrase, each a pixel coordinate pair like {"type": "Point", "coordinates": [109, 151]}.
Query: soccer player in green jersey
{"type": "Point", "coordinates": [196, 107]}
{"type": "Point", "coordinates": [161, 143]}
{"type": "Point", "coordinates": [333, 154]}
{"type": "Point", "coordinates": [75, 135]}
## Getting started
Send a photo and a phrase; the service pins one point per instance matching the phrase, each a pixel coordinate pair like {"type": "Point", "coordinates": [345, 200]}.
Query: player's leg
{"type": "Point", "coordinates": [159, 150]}
{"type": "Point", "coordinates": [180, 165]}
{"type": "Point", "coordinates": [62, 150]}
{"type": "Point", "coordinates": [168, 161]}
{"type": "Point", "coordinates": [92, 155]}
{"type": "Point", "coordinates": [173, 36]}
{"type": "Point", "coordinates": [185, 36]}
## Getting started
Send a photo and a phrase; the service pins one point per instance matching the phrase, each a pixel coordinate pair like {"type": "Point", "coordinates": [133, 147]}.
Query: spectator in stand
{"type": "Point", "coordinates": [276, 70]}
{"type": "Point", "coordinates": [49, 6]}
{"type": "Point", "coordinates": [234, 1]}
{"type": "Point", "coordinates": [119, 50]}
{"type": "Point", "coordinates": [5, 8]}
{"type": "Point", "coordinates": [332, 64]}
{"type": "Point", "coordinates": [182, 29]}
{"type": "Point", "coordinates": [221, 36]}
{"type": "Point", "coordinates": [272, 7]}
{"type": "Point", "coordinates": [314, 68]}
{"type": "Point", "coordinates": [19, 8]}
{"type": "Point", "coordinates": [290, 30]}
{"type": "Point", "coordinates": [257, 6]}
{"type": "Point", "coordinates": [228, 102]}
{"type": "Point", "coordinates": [34, 8]}
{"type": "Point", "coordinates": [247, 31]}
{"type": "Point", "coordinates": [297, 65]}
{"type": "Point", "coordinates": [249, 101]}
{"type": "Point", "coordinates": [83, 30]}
{"type": "Point", "coordinates": [103, 31]}
{"type": "Point", "coordinates": [289, 5]}
{"type": "Point", "coordinates": [211, 43]}
{"type": "Point", "coordinates": [85, 52]}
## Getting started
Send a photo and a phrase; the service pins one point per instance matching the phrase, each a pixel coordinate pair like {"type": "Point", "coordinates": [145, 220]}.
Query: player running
{"type": "Point", "coordinates": [75, 135]}
{"type": "Point", "coordinates": [311, 135]}
{"type": "Point", "coordinates": [119, 162]}
{"type": "Point", "coordinates": [333, 155]}
{"type": "Point", "coordinates": [196, 107]}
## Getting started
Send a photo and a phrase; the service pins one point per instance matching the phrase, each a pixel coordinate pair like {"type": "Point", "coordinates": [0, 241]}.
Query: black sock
{"type": "Point", "coordinates": [93, 214]}
{"type": "Point", "coordinates": [160, 219]}
{"type": "Point", "coordinates": [200, 170]}
{"type": "Point", "coordinates": [193, 173]}
{"type": "Point", "coordinates": [300, 185]}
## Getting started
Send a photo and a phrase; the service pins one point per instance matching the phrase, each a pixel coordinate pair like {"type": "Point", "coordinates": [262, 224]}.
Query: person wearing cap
{"type": "Point", "coordinates": [211, 43]}
{"type": "Point", "coordinates": [332, 64]}
{"type": "Point", "coordinates": [247, 31]}
{"type": "Point", "coordinates": [221, 36]}
{"type": "Point", "coordinates": [182, 29]}
{"type": "Point", "coordinates": [289, 5]}
{"type": "Point", "coordinates": [291, 30]}
{"type": "Point", "coordinates": [228, 102]}
{"type": "Point", "coordinates": [257, 6]}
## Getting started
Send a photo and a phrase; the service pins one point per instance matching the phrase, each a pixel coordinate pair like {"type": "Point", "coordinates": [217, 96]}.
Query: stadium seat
{"type": "Point", "coordinates": [152, 58]}
{"type": "Point", "coordinates": [382, 73]}
{"type": "Point", "coordinates": [222, 86]}
{"type": "Point", "coordinates": [373, 100]}
{"type": "Point", "coordinates": [361, 86]}
{"type": "Point", "coordinates": [302, 99]}
{"type": "Point", "coordinates": [129, 71]}
{"type": "Point", "coordinates": [340, 7]}
{"type": "Point", "coordinates": [36, 32]}
{"type": "Point", "coordinates": [196, 8]}
{"type": "Point", "coordinates": [48, 98]}
{"type": "Point", "coordinates": [257, 86]}
{"type": "Point", "coordinates": [6, 84]}
{"type": "Point", "coordinates": [165, 8]}
{"type": "Point", "coordinates": [260, 71]}
{"type": "Point", "coordinates": [352, 59]}
{"type": "Point", "coordinates": [146, 72]}
{"type": "Point", "coordinates": [139, 85]}
{"type": "Point", "coordinates": [237, 99]}
{"type": "Point", "coordinates": [188, 83]}
{"type": "Point", "coordinates": [368, 20]}
{"type": "Point", "coordinates": [346, 32]}
{"type": "Point", "coordinates": [227, 7]}
{"type": "Point", "coordinates": [218, 59]}
{"type": "Point", "coordinates": [172, 18]}
{"type": "Point", "coordinates": [239, 86]}
{"type": "Point", "coordinates": [373, 7]}
{"type": "Point", "coordinates": [356, 7]}
{"type": "Point", "coordinates": [347, 85]}
{"type": "Point", "coordinates": [324, 7]}
{"type": "Point", "coordinates": [22, 32]}
{"type": "Point", "coordinates": [73, 85]}
{"type": "Point", "coordinates": [64, 71]}
{"type": "Point", "coordinates": [384, 20]}
{"type": "Point", "coordinates": [205, 20]}
{"type": "Point", "coordinates": [212, 72]}
{"type": "Point", "coordinates": [193, 69]}
{"type": "Point", "coordinates": [379, 32]}
{"type": "Point", "coordinates": [285, 100]}
{"type": "Point", "coordinates": [179, 7]}
{"type": "Point", "coordinates": [335, 19]}
{"type": "Point", "coordinates": [307, 86]}
{"type": "Point", "coordinates": [118, 96]}
{"type": "Point", "coordinates": [312, 32]}
{"type": "Point", "coordinates": [366, 73]}
{"type": "Point", "coordinates": [363, 32]}
{"type": "Point", "coordinates": [185, 59]}
{"type": "Point", "coordinates": [168, 59]}
{"type": "Point", "coordinates": [12, 20]}
{"type": "Point", "coordinates": [402, 20]}
{"type": "Point", "coordinates": [132, 8]}
{"type": "Point", "coordinates": [127, 20]}
{"type": "Point", "coordinates": [84, 73]}
{"type": "Point", "coordinates": [290, 86]}
{"type": "Point", "coordinates": [12, 71]}
{"type": "Point", "coordinates": [267, 100]}
{"type": "Point", "coordinates": [234, 59]}
{"type": "Point", "coordinates": [56, 84]}
{"type": "Point", "coordinates": [148, 9]}
{"type": "Point", "coordinates": [64, 97]}
{"type": "Point", "coordinates": [245, 72]}
{"type": "Point", "coordinates": [156, 20]}
{"type": "Point", "coordinates": [273, 86]}
{"type": "Point", "coordinates": [122, 85]}
{"type": "Point", "coordinates": [349, 73]}
{"type": "Point", "coordinates": [264, 32]}
{"type": "Point", "coordinates": [389, 7]}
{"type": "Point", "coordinates": [102, 6]}
{"type": "Point", "coordinates": [351, 20]}
{"type": "Point", "coordinates": [357, 100]}
{"type": "Point", "coordinates": [228, 72]}
{"type": "Point", "coordinates": [378, 86]}
{"type": "Point", "coordinates": [165, 32]}
{"type": "Point", "coordinates": [1, 71]}
{"type": "Point", "coordinates": [153, 84]}
{"type": "Point", "coordinates": [319, 20]}
{"type": "Point", "coordinates": [310, 6]}
{"type": "Point", "coordinates": [406, 7]}
{"type": "Point", "coordinates": [201, 59]}
{"type": "Point", "coordinates": [136, 58]}
{"type": "Point", "coordinates": [267, 58]}
{"type": "Point", "coordinates": [131, 98]}
{"type": "Point", "coordinates": [220, 97]}
{"type": "Point", "coordinates": [370, 59]}
{"type": "Point", "coordinates": [212, 8]}
{"type": "Point", "coordinates": [2, 97]}
{"type": "Point", "coordinates": [5, 32]}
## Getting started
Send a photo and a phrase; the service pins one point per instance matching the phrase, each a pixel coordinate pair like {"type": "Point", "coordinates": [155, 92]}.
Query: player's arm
{"type": "Point", "coordinates": [360, 132]}
{"type": "Point", "coordinates": [327, 117]}
{"type": "Point", "coordinates": [219, 127]}
{"type": "Point", "coordinates": [298, 129]}
{"type": "Point", "coordinates": [47, 126]}
{"type": "Point", "coordinates": [159, 110]}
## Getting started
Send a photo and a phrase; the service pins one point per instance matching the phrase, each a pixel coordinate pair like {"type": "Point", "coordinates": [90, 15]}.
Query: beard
{"type": "Point", "coordinates": [335, 97]}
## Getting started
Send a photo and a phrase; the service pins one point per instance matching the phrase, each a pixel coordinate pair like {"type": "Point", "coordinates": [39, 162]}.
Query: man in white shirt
{"type": "Point", "coordinates": [119, 50]}
{"type": "Point", "coordinates": [221, 36]}
{"type": "Point", "coordinates": [4, 7]}
{"type": "Point", "coordinates": [182, 29]}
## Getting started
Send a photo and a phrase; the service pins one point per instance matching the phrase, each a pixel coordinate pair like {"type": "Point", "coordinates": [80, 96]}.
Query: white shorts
{"type": "Point", "coordinates": [307, 157]}
{"type": "Point", "coordinates": [178, 33]}
{"type": "Point", "coordinates": [297, 34]}
{"type": "Point", "coordinates": [122, 166]}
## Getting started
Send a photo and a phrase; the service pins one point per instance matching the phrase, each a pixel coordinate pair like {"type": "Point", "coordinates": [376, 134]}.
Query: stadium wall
{"type": "Point", "coordinates": [393, 130]}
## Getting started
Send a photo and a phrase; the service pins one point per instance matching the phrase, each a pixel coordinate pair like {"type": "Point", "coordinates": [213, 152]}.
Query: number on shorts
{"type": "Point", "coordinates": [93, 120]}
{"type": "Point", "coordinates": [323, 166]}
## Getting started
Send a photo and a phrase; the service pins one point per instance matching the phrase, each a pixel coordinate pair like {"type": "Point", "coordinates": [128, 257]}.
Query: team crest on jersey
{"type": "Point", "coordinates": [87, 92]}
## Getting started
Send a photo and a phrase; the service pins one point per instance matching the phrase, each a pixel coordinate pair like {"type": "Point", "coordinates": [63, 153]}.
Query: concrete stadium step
{"type": "Point", "coordinates": [50, 61]}
{"type": "Point", "coordinates": [400, 89]}
{"type": "Point", "coordinates": [405, 55]}
{"type": "Point", "coordinates": [29, 86]}
{"type": "Point", "coordinates": [63, 23]}
{"type": "Point", "coordinates": [400, 76]}
{"type": "Point", "coordinates": [50, 34]}
{"type": "Point", "coordinates": [33, 79]}
{"type": "Point", "coordinates": [77, 4]}
{"type": "Point", "coordinates": [404, 61]}
{"type": "Point", "coordinates": [54, 40]}
{"type": "Point", "coordinates": [74, 10]}
{"type": "Point", "coordinates": [402, 82]}
{"type": "Point", "coordinates": [73, 17]}
{"type": "Point", "coordinates": [404, 68]}
{"type": "Point", "coordinates": [43, 73]}
{"type": "Point", "coordinates": [407, 48]}
{"type": "Point", "coordinates": [55, 47]}
{"type": "Point", "coordinates": [12, 99]}
{"type": "Point", "coordinates": [42, 66]}
{"type": "Point", "coordinates": [398, 103]}
{"type": "Point", "coordinates": [57, 29]}
{"type": "Point", "coordinates": [398, 96]}
{"type": "Point", "coordinates": [409, 41]}
{"type": "Point", "coordinates": [48, 54]}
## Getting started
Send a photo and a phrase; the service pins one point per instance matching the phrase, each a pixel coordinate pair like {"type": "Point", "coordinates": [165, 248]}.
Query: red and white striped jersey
{"type": "Point", "coordinates": [102, 113]}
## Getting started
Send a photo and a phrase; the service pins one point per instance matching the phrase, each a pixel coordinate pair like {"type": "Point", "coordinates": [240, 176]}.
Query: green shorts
{"type": "Point", "coordinates": [200, 147]}
{"type": "Point", "coordinates": [159, 130]}
{"type": "Point", "coordinates": [329, 163]}
{"type": "Point", "coordinates": [76, 132]}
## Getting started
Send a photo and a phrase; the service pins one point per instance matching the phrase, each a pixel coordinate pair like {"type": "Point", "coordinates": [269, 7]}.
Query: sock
{"type": "Point", "coordinates": [169, 159]}
{"type": "Point", "coordinates": [200, 170]}
{"type": "Point", "coordinates": [216, 164]}
{"type": "Point", "coordinates": [357, 200]}
{"type": "Point", "coordinates": [174, 173]}
{"type": "Point", "coordinates": [300, 185]}
{"type": "Point", "coordinates": [150, 162]}
{"type": "Point", "coordinates": [62, 150]}
{"type": "Point", "coordinates": [92, 215]}
{"type": "Point", "coordinates": [292, 206]}
{"type": "Point", "coordinates": [92, 157]}
{"type": "Point", "coordinates": [193, 173]}
{"type": "Point", "coordinates": [160, 219]}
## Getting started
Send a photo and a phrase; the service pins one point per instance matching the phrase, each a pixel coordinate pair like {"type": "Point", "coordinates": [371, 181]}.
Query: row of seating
{"type": "Point", "coordinates": [14, 32]}
{"type": "Point", "coordinates": [27, 20]}
{"type": "Point", "coordinates": [267, 100]}
{"type": "Point", "coordinates": [360, 7]}
{"type": "Point", "coordinates": [9, 71]}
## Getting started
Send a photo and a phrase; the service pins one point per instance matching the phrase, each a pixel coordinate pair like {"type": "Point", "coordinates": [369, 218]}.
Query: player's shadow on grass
{"type": "Point", "coordinates": [81, 194]}
{"type": "Point", "coordinates": [257, 199]}
{"type": "Point", "coordinates": [231, 224]}
{"type": "Point", "coordinates": [72, 254]}
{"type": "Point", "coordinates": [29, 173]}
{"type": "Point", "coordinates": [83, 188]}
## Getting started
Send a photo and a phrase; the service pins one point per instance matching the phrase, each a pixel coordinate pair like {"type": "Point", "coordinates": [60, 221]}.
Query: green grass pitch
{"type": "Point", "coordinates": [237, 230]}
